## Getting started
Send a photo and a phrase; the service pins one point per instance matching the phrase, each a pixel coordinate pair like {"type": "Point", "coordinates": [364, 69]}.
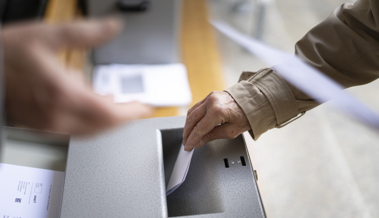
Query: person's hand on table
{"type": "Point", "coordinates": [217, 116]}
{"type": "Point", "coordinates": [40, 92]}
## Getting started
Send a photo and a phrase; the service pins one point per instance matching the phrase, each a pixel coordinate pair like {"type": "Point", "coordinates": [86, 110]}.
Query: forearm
{"type": "Point", "coordinates": [344, 47]}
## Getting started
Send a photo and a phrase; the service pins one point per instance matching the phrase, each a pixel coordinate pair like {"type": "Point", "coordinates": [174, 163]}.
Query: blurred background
{"type": "Point", "coordinates": [324, 164]}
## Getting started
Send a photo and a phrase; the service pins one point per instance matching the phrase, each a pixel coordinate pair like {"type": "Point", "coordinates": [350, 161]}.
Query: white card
{"type": "Point", "coordinates": [30, 192]}
{"type": "Point", "coordinates": [179, 173]}
{"type": "Point", "coordinates": [303, 76]}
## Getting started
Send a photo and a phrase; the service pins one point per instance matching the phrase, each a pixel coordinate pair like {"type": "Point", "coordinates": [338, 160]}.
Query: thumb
{"type": "Point", "coordinates": [87, 33]}
{"type": "Point", "coordinates": [132, 110]}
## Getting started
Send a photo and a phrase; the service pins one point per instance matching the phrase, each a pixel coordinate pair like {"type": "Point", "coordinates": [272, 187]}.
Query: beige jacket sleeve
{"type": "Point", "coordinates": [345, 47]}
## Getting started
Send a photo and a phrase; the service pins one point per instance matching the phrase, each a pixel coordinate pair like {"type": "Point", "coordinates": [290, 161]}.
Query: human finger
{"type": "Point", "coordinates": [129, 111]}
{"type": "Point", "coordinates": [109, 98]}
{"type": "Point", "coordinates": [188, 127]}
{"type": "Point", "coordinates": [86, 33]}
{"type": "Point", "coordinates": [94, 112]}
{"type": "Point", "coordinates": [191, 121]}
{"type": "Point", "coordinates": [198, 104]}
{"type": "Point", "coordinates": [97, 121]}
{"type": "Point", "coordinates": [100, 113]}
{"type": "Point", "coordinates": [224, 131]}
{"type": "Point", "coordinates": [203, 127]}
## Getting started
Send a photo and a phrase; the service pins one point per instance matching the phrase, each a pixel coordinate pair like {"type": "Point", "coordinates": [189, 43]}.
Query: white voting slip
{"type": "Point", "coordinates": [303, 76]}
{"type": "Point", "coordinates": [157, 85]}
{"type": "Point", "coordinates": [180, 170]}
{"type": "Point", "coordinates": [30, 192]}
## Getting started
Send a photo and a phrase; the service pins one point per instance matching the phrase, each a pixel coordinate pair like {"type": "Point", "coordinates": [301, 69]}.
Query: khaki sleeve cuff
{"type": "Point", "coordinates": [266, 100]}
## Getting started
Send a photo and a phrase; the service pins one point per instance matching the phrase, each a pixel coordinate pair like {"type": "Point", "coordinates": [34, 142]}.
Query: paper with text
{"type": "Point", "coordinates": [30, 192]}
{"type": "Point", "coordinates": [179, 173]}
{"type": "Point", "coordinates": [303, 76]}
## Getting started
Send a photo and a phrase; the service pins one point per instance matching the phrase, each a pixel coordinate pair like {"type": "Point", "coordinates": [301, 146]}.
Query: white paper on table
{"type": "Point", "coordinates": [179, 173]}
{"type": "Point", "coordinates": [30, 192]}
{"type": "Point", "coordinates": [157, 85]}
{"type": "Point", "coordinates": [303, 76]}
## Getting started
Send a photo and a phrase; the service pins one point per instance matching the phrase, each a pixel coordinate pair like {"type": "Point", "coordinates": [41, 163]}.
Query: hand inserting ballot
{"type": "Point", "coordinates": [217, 116]}
{"type": "Point", "coordinates": [41, 93]}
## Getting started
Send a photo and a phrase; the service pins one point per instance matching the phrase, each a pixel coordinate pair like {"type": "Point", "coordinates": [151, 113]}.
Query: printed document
{"type": "Point", "coordinates": [30, 192]}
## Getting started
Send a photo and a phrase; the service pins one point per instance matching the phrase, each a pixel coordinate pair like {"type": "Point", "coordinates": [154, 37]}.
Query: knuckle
{"type": "Point", "coordinates": [197, 130]}
{"type": "Point", "coordinates": [188, 119]}
{"type": "Point", "coordinates": [213, 97]}
{"type": "Point", "coordinates": [193, 108]}
{"type": "Point", "coordinates": [194, 117]}
{"type": "Point", "coordinates": [190, 110]}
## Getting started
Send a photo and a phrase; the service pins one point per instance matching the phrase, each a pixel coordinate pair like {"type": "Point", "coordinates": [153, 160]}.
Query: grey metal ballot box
{"type": "Point", "coordinates": [124, 173]}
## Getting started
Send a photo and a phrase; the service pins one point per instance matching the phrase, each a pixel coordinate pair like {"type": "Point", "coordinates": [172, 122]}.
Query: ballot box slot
{"type": "Point", "coordinates": [243, 161]}
{"type": "Point", "coordinates": [200, 192]}
{"type": "Point", "coordinates": [226, 162]}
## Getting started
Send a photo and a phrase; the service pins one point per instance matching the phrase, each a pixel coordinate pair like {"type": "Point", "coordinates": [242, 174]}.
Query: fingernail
{"type": "Point", "coordinates": [187, 148]}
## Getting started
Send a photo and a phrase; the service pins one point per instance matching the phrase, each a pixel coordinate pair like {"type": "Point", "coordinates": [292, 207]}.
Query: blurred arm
{"type": "Point", "coordinates": [39, 91]}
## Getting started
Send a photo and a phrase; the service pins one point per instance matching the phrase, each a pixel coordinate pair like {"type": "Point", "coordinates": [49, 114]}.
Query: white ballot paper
{"type": "Point", "coordinates": [30, 192]}
{"type": "Point", "coordinates": [303, 76]}
{"type": "Point", "coordinates": [157, 85]}
{"type": "Point", "coordinates": [179, 173]}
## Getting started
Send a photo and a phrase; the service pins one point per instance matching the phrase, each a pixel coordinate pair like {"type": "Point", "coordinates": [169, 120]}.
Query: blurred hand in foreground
{"type": "Point", "coordinates": [217, 116]}
{"type": "Point", "coordinates": [40, 92]}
